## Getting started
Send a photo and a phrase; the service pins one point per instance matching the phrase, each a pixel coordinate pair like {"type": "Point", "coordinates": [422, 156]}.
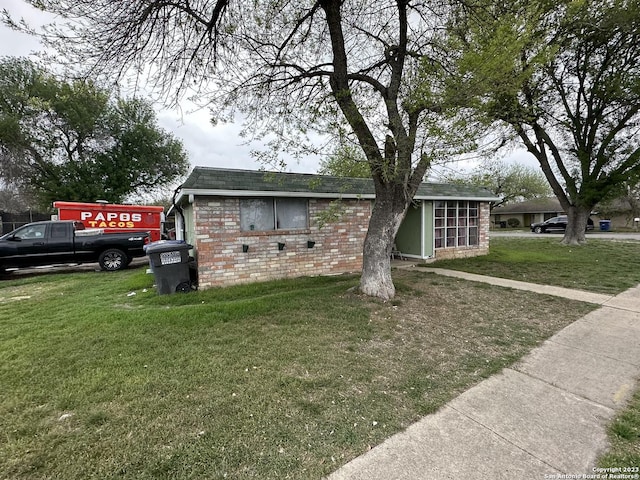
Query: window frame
{"type": "Point", "coordinates": [456, 224]}
{"type": "Point", "coordinates": [32, 228]}
{"type": "Point", "coordinates": [273, 210]}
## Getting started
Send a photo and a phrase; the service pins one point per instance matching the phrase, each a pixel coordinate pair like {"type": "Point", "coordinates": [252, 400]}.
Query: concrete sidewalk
{"type": "Point", "coordinates": [580, 295]}
{"type": "Point", "coordinates": [546, 417]}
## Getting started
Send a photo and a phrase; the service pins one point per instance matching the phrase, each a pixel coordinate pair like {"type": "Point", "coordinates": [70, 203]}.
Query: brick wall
{"type": "Point", "coordinates": [337, 249]}
{"type": "Point", "coordinates": [222, 261]}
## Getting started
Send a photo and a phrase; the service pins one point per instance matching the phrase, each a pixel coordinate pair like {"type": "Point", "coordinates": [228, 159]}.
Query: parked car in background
{"type": "Point", "coordinates": [555, 224]}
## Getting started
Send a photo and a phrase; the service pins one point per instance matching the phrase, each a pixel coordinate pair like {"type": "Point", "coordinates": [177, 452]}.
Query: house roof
{"type": "Point", "coordinates": [229, 182]}
{"type": "Point", "coordinates": [536, 205]}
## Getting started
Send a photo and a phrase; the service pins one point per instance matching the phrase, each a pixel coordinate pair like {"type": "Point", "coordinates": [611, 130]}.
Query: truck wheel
{"type": "Point", "coordinates": [112, 260]}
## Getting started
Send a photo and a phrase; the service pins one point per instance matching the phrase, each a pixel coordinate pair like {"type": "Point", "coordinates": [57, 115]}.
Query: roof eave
{"type": "Point", "coordinates": [309, 194]}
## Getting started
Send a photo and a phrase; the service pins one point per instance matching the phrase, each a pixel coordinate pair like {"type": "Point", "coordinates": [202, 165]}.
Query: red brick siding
{"type": "Point", "coordinates": [219, 241]}
{"type": "Point", "coordinates": [338, 245]}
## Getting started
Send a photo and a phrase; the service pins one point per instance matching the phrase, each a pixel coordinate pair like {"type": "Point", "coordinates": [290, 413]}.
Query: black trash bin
{"type": "Point", "coordinates": [171, 266]}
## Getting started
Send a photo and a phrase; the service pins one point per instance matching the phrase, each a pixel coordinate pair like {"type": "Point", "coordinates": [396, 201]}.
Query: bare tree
{"type": "Point", "coordinates": [344, 67]}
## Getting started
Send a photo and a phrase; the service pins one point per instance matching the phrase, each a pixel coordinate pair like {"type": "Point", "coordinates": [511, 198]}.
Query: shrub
{"type": "Point", "coordinates": [513, 222]}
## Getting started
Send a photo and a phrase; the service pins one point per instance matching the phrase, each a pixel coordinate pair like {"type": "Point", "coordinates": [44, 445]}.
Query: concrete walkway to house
{"type": "Point", "coordinates": [545, 417]}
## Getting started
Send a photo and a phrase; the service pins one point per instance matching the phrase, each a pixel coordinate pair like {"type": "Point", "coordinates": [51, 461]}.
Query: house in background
{"type": "Point", "coordinates": [249, 225]}
{"type": "Point", "coordinates": [623, 212]}
{"type": "Point", "coordinates": [526, 212]}
{"type": "Point", "coordinates": [619, 212]}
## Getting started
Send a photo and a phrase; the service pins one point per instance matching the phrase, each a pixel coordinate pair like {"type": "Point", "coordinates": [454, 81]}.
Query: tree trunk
{"type": "Point", "coordinates": [386, 217]}
{"type": "Point", "coordinates": [576, 225]}
{"type": "Point", "coordinates": [391, 168]}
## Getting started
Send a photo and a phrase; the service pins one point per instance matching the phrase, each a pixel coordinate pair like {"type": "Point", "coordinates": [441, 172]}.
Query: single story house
{"type": "Point", "coordinates": [526, 212]}
{"type": "Point", "coordinates": [250, 225]}
{"type": "Point", "coordinates": [619, 212]}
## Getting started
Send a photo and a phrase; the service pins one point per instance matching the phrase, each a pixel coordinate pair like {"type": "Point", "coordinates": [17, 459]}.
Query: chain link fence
{"type": "Point", "coordinates": [11, 221]}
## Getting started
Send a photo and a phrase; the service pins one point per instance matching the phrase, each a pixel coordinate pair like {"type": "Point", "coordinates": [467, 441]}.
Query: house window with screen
{"type": "Point", "coordinates": [456, 224]}
{"type": "Point", "coordinates": [264, 214]}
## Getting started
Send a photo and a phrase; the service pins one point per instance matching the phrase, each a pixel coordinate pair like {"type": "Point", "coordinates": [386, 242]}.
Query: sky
{"type": "Point", "coordinates": [206, 145]}
{"type": "Point", "coordinates": [219, 146]}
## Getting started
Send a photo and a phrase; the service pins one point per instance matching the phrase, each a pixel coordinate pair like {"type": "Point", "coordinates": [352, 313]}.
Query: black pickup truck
{"type": "Point", "coordinates": [56, 242]}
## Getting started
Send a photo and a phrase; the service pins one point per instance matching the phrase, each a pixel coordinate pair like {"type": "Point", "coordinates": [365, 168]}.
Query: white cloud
{"type": "Point", "coordinates": [209, 146]}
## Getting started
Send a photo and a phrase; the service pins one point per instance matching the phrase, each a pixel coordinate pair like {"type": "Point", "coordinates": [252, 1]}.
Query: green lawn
{"type": "Point", "coordinates": [624, 435]}
{"type": "Point", "coordinates": [286, 379]}
{"type": "Point", "coordinates": [604, 266]}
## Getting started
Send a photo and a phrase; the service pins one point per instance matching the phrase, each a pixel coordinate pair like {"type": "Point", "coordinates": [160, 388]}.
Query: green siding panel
{"type": "Point", "coordinates": [427, 237]}
{"type": "Point", "coordinates": [408, 239]}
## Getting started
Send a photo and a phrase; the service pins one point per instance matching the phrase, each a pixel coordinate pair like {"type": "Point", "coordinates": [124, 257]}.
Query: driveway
{"type": "Point", "coordinates": [64, 268]}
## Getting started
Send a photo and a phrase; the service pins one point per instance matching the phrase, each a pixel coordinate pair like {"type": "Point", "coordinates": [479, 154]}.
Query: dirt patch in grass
{"type": "Point", "coordinates": [25, 292]}
{"type": "Point", "coordinates": [442, 335]}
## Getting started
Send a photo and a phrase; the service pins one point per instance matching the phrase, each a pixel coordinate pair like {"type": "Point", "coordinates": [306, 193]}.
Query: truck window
{"type": "Point", "coordinates": [58, 230]}
{"type": "Point", "coordinates": [31, 232]}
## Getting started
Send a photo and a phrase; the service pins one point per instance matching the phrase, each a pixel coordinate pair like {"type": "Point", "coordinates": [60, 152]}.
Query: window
{"type": "Point", "coordinates": [456, 224]}
{"type": "Point", "coordinates": [291, 213]}
{"type": "Point", "coordinates": [263, 214]}
{"type": "Point", "coordinates": [31, 231]}
{"type": "Point", "coordinates": [256, 214]}
{"type": "Point", "coordinates": [58, 230]}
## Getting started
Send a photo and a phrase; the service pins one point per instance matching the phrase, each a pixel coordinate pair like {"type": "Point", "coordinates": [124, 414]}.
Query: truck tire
{"type": "Point", "coordinates": [112, 259]}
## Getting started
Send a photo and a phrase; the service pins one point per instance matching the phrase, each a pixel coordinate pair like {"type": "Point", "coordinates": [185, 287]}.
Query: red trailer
{"type": "Point", "coordinates": [113, 218]}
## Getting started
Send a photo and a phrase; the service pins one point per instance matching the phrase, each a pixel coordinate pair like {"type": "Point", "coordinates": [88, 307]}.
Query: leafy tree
{"type": "Point", "coordinates": [346, 161]}
{"type": "Point", "coordinates": [563, 78]}
{"type": "Point", "coordinates": [292, 68]}
{"type": "Point", "coordinates": [71, 140]}
{"type": "Point", "coordinates": [509, 181]}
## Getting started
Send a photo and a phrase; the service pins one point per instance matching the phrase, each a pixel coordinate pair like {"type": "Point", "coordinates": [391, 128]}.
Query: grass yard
{"type": "Point", "coordinates": [604, 266]}
{"type": "Point", "coordinates": [624, 435]}
{"type": "Point", "coordinates": [287, 379]}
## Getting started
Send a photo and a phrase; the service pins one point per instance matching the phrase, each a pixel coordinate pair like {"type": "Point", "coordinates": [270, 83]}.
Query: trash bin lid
{"type": "Point", "coordinates": [166, 246]}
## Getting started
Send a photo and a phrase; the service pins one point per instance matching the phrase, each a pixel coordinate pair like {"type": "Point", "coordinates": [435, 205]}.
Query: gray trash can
{"type": "Point", "coordinates": [170, 264]}
{"type": "Point", "coordinates": [605, 225]}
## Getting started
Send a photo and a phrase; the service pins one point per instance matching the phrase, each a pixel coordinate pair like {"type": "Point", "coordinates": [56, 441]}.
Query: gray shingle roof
{"type": "Point", "coordinates": [536, 205]}
{"type": "Point", "coordinates": [228, 182]}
